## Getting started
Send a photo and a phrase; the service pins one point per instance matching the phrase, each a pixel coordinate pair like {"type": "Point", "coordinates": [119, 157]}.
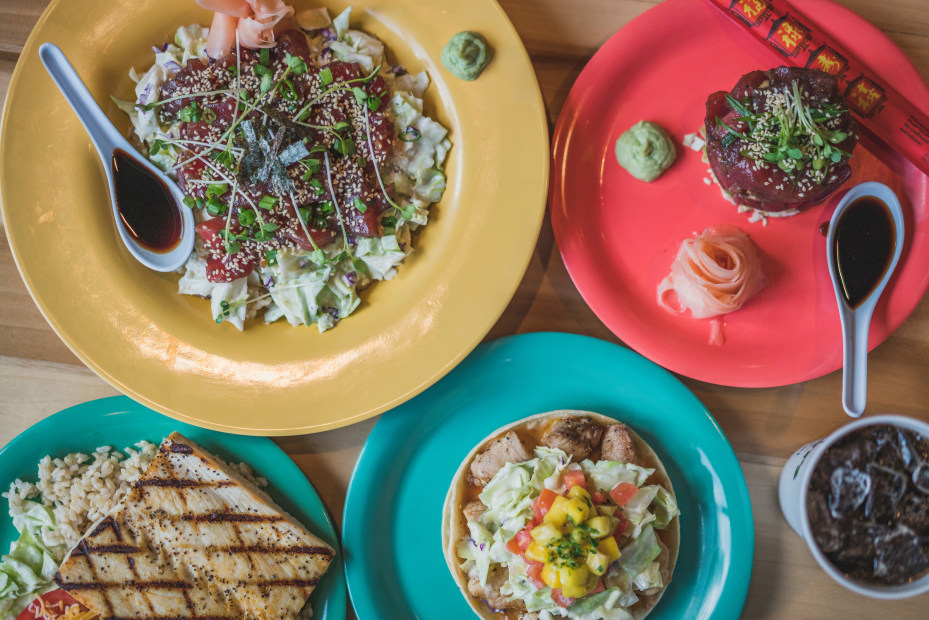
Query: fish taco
{"type": "Point", "coordinates": [566, 514]}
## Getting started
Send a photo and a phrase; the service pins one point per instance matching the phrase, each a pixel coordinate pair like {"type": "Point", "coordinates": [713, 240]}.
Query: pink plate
{"type": "Point", "coordinates": [618, 235]}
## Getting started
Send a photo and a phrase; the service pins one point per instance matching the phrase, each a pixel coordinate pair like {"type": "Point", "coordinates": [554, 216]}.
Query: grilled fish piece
{"type": "Point", "coordinates": [490, 591]}
{"type": "Point", "coordinates": [508, 448]}
{"type": "Point", "coordinates": [118, 575]}
{"type": "Point", "coordinates": [618, 445]}
{"type": "Point", "coordinates": [215, 546]}
{"type": "Point", "coordinates": [576, 436]}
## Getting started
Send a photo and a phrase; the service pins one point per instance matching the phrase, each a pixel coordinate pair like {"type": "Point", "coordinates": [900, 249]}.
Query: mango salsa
{"type": "Point", "coordinates": [609, 548]}
{"type": "Point", "coordinates": [550, 576]}
{"type": "Point", "coordinates": [557, 514]}
{"type": "Point", "coordinates": [545, 534]}
{"type": "Point", "coordinates": [577, 510]}
{"type": "Point", "coordinates": [536, 552]}
{"type": "Point", "coordinates": [574, 543]}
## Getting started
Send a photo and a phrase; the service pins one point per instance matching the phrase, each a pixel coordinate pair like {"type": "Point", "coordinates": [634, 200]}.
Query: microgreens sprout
{"type": "Point", "coordinates": [791, 135]}
{"type": "Point", "coordinates": [226, 308]}
{"type": "Point", "coordinates": [311, 164]}
{"type": "Point", "coordinates": [329, 87]}
{"type": "Point", "coordinates": [358, 264]}
{"type": "Point", "coordinates": [151, 106]}
{"type": "Point", "coordinates": [410, 134]}
{"type": "Point", "coordinates": [317, 255]}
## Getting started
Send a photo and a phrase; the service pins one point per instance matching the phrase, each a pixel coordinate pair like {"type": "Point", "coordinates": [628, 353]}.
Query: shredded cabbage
{"type": "Point", "coordinates": [607, 474]}
{"type": "Point", "coordinates": [638, 554]}
{"type": "Point", "coordinates": [30, 567]}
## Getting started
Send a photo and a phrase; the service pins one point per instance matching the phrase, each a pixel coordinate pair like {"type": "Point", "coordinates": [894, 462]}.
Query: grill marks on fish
{"type": "Point", "coordinates": [105, 576]}
{"type": "Point", "coordinates": [134, 584]}
{"type": "Point", "coordinates": [195, 540]}
{"type": "Point", "coordinates": [85, 549]}
{"type": "Point", "coordinates": [176, 448]}
{"type": "Point", "coordinates": [171, 482]}
{"type": "Point", "coordinates": [231, 517]}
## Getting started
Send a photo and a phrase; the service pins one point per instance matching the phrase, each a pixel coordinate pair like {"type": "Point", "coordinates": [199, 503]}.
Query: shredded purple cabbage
{"type": "Point", "coordinates": [351, 278]}
{"type": "Point", "coordinates": [143, 98]}
{"type": "Point", "coordinates": [269, 282]}
{"type": "Point", "coordinates": [163, 47]}
{"type": "Point", "coordinates": [173, 66]}
{"type": "Point", "coordinates": [333, 312]}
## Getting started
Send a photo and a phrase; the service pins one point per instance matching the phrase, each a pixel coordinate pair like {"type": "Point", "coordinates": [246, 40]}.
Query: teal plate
{"type": "Point", "coordinates": [121, 422]}
{"type": "Point", "coordinates": [391, 534]}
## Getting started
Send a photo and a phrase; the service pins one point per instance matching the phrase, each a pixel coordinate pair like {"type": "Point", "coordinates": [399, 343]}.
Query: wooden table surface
{"type": "Point", "coordinates": [39, 375]}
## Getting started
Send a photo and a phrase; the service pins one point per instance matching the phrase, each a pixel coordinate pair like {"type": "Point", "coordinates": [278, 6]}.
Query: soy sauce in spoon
{"type": "Point", "coordinates": [145, 205]}
{"type": "Point", "coordinates": [864, 243]}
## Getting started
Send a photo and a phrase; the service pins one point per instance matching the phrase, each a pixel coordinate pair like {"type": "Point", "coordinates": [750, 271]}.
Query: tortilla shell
{"type": "Point", "coordinates": [454, 524]}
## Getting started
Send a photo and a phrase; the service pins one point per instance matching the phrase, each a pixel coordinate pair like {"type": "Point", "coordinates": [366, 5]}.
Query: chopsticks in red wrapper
{"type": "Point", "coordinates": [797, 40]}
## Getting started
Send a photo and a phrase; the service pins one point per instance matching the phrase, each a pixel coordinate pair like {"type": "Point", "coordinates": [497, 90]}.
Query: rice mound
{"type": "Point", "coordinates": [82, 488]}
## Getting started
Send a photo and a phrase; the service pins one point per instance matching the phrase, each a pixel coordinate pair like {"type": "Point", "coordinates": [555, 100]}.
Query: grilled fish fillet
{"type": "Point", "coordinates": [194, 539]}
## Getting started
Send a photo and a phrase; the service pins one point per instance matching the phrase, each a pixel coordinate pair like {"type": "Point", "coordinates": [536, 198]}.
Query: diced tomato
{"type": "Point", "coordinates": [519, 543]}
{"type": "Point", "coordinates": [543, 503]}
{"type": "Point", "coordinates": [560, 599]}
{"type": "Point", "coordinates": [574, 477]}
{"type": "Point", "coordinates": [598, 497]}
{"type": "Point", "coordinates": [534, 574]}
{"type": "Point", "coordinates": [524, 538]}
{"type": "Point", "coordinates": [598, 588]}
{"type": "Point", "coordinates": [623, 492]}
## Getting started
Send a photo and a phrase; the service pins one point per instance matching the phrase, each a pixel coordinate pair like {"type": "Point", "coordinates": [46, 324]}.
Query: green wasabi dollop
{"type": "Point", "coordinates": [466, 55]}
{"type": "Point", "coordinates": [645, 150]}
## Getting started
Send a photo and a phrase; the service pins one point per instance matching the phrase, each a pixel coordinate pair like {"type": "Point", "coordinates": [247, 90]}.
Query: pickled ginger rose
{"type": "Point", "coordinates": [714, 273]}
{"type": "Point", "coordinates": [255, 21]}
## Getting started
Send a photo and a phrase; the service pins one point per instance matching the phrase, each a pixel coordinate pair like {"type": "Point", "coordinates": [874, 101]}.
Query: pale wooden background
{"type": "Point", "coordinates": [39, 375]}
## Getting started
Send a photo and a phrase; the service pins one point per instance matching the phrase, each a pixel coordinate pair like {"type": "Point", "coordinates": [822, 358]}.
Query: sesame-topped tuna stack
{"type": "Point", "coordinates": [781, 140]}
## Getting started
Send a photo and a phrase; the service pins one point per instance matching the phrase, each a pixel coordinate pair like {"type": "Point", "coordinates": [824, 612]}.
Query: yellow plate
{"type": "Point", "coordinates": [163, 349]}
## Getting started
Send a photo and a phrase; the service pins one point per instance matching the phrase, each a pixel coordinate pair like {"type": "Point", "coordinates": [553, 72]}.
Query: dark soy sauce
{"type": "Point", "coordinates": [864, 243]}
{"type": "Point", "coordinates": [145, 205]}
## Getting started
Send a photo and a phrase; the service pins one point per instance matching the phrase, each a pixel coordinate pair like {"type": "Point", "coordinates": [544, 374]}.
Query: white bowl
{"type": "Point", "coordinates": [794, 484]}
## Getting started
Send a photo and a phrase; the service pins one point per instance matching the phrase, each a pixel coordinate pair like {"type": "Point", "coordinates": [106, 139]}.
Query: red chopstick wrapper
{"type": "Point", "coordinates": [797, 40]}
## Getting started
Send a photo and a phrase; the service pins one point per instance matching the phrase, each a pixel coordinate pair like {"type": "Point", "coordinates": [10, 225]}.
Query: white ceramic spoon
{"type": "Point", "coordinates": [857, 321]}
{"type": "Point", "coordinates": [107, 139]}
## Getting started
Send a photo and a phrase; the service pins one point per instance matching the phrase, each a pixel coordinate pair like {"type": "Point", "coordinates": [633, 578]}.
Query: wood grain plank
{"type": "Point", "coordinates": [24, 332]}
{"type": "Point", "coordinates": [16, 22]}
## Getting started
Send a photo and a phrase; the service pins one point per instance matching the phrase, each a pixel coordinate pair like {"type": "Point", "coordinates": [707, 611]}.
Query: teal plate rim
{"type": "Point", "coordinates": [120, 422]}
{"type": "Point", "coordinates": [391, 527]}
